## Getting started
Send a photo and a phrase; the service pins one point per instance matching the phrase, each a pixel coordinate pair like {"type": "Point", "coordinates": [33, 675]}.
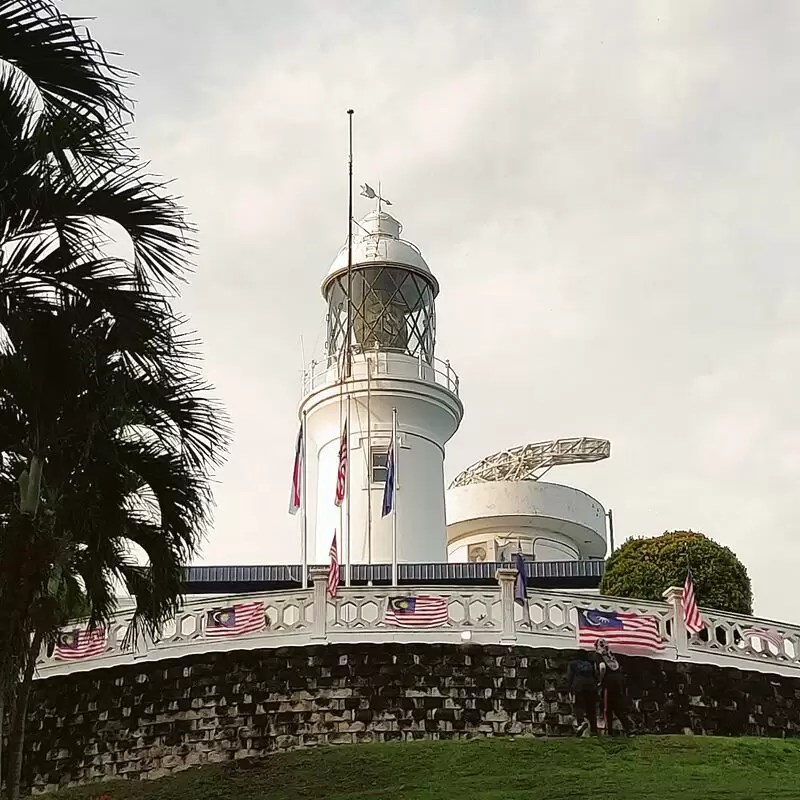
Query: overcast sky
{"type": "Point", "coordinates": [607, 192]}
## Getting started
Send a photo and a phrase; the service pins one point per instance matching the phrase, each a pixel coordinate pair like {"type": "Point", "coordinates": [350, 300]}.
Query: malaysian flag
{"type": "Point", "coordinates": [388, 489]}
{"type": "Point", "coordinates": [80, 643]}
{"type": "Point", "coordinates": [416, 612]}
{"type": "Point", "coordinates": [622, 631]}
{"type": "Point", "coordinates": [297, 475]}
{"type": "Point", "coordinates": [341, 475]}
{"type": "Point", "coordinates": [333, 569]}
{"type": "Point", "coordinates": [235, 620]}
{"type": "Point", "coordinates": [691, 613]}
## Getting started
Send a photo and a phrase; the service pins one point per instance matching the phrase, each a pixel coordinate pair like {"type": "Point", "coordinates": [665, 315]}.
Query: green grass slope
{"type": "Point", "coordinates": [664, 767]}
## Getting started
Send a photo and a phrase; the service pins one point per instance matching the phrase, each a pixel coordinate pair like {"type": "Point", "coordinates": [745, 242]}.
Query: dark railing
{"type": "Point", "coordinates": [541, 574]}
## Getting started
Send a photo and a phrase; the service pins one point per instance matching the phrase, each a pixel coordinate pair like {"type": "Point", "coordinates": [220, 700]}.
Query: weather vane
{"type": "Point", "coordinates": [369, 192]}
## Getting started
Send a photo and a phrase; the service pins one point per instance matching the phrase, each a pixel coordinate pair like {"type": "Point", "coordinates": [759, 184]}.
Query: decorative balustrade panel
{"type": "Point", "coordinates": [487, 614]}
{"type": "Point", "coordinates": [359, 609]}
{"type": "Point", "coordinates": [748, 638]}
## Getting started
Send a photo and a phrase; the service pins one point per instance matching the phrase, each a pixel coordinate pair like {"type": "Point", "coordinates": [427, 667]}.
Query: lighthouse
{"type": "Point", "coordinates": [379, 367]}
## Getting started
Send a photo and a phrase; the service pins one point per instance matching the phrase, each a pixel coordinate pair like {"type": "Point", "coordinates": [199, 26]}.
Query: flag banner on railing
{"type": "Point", "coordinates": [297, 475]}
{"type": "Point", "coordinates": [622, 631]}
{"type": "Point", "coordinates": [236, 620]}
{"type": "Point", "coordinates": [691, 613]}
{"type": "Point", "coordinates": [80, 643]}
{"type": "Point", "coordinates": [775, 639]}
{"type": "Point", "coordinates": [423, 611]}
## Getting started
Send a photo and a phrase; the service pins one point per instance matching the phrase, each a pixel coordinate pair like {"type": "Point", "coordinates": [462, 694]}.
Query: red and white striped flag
{"type": "Point", "coordinates": [235, 620]}
{"type": "Point", "coordinates": [333, 569]}
{"type": "Point", "coordinates": [80, 644]}
{"type": "Point", "coordinates": [691, 613]}
{"type": "Point", "coordinates": [297, 475]}
{"type": "Point", "coordinates": [341, 475]}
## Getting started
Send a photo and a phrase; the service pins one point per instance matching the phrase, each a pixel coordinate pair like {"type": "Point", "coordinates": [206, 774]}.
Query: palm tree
{"type": "Point", "coordinates": [107, 434]}
{"type": "Point", "coordinates": [67, 171]}
{"type": "Point", "coordinates": [126, 474]}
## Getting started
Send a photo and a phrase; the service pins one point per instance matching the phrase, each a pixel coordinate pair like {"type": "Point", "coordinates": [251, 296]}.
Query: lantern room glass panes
{"type": "Point", "coordinates": [392, 310]}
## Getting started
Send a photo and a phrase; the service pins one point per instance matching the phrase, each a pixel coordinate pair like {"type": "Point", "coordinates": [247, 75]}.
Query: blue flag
{"type": "Point", "coordinates": [388, 489]}
{"type": "Point", "coordinates": [521, 586]}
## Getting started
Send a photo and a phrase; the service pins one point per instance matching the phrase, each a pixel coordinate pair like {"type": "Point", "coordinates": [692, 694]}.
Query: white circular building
{"type": "Point", "coordinates": [379, 366]}
{"type": "Point", "coordinates": [499, 506]}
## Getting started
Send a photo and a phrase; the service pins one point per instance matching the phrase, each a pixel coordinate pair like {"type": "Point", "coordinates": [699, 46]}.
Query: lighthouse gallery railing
{"type": "Point", "coordinates": [385, 364]}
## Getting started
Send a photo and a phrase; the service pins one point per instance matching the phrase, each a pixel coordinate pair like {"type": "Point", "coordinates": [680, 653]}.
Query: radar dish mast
{"type": "Point", "coordinates": [530, 462]}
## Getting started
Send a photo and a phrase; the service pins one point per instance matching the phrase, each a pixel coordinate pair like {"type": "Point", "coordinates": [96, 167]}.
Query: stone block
{"type": "Point", "coordinates": [285, 741]}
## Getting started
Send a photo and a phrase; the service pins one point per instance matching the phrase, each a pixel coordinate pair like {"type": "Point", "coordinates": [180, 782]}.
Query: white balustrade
{"type": "Point", "coordinates": [480, 615]}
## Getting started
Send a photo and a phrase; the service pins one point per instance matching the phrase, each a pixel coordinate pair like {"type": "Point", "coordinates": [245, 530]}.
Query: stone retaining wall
{"type": "Point", "coordinates": [149, 720]}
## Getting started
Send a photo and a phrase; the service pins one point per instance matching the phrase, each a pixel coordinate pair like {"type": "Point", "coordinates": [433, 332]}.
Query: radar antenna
{"type": "Point", "coordinates": [530, 462]}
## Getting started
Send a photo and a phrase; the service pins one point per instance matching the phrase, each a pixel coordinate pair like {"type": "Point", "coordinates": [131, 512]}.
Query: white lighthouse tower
{"type": "Point", "coordinates": [383, 309]}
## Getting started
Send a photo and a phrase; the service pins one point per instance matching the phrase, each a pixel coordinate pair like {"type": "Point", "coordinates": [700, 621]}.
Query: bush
{"type": "Point", "coordinates": [645, 567]}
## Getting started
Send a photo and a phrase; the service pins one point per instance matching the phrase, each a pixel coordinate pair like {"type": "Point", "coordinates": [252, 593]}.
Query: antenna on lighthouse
{"type": "Point", "coordinates": [349, 356]}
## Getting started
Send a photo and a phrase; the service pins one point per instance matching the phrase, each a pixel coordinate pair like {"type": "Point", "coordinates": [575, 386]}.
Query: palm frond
{"type": "Point", "coordinates": [139, 203]}
{"type": "Point", "coordinates": [67, 67]}
{"type": "Point", "coordinates": [38, 279]}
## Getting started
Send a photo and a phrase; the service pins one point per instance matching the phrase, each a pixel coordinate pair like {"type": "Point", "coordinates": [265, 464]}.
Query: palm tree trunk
{"type": "Point", "coordinates": [16, 736]}
{"type": "Point", "coordinates": [2, 712]}
{"type": "Point", "coordinates": [29, 501]}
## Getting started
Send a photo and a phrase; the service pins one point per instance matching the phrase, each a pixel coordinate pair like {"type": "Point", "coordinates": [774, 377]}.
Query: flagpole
{"type": "Point", "coordinates": [369, 459]}
{"type": "Point", "coordinates": [394, 497]}
{"type": "Point", "coordinates": [347, 491]}
{"type": "Point", "coordinates": [349, 356]}
{"type": "Point", "coordinates": [610, 518]}
{"type": "Point", "coordinates": [304, 490]}
{"type": "Point", "coordinates": [340, 550]}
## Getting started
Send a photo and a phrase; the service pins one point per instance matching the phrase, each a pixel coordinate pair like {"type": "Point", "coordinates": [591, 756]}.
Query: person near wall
{"type": "Point", "coordinates": [612, 689]}
{"type": "Point", "coordinates": [582, 679]}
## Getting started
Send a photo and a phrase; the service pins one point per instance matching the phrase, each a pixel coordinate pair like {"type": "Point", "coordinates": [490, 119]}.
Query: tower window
{"type": "Point", "coordinates": [379, 458]}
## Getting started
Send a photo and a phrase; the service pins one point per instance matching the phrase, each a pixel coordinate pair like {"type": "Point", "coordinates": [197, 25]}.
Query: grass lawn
{"type": "Point", "coordinates": [663, 767]}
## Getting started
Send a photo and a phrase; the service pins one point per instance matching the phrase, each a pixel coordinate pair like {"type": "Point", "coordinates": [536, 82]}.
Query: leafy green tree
{"type": "Point", "coordinates": [645, 567]}
{"type": "Point", "coordinates": [108, 435]}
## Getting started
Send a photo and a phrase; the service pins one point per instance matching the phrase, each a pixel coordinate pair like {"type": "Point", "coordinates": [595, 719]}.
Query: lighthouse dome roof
{"type": "Point", "coordinates": [377, 242]}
